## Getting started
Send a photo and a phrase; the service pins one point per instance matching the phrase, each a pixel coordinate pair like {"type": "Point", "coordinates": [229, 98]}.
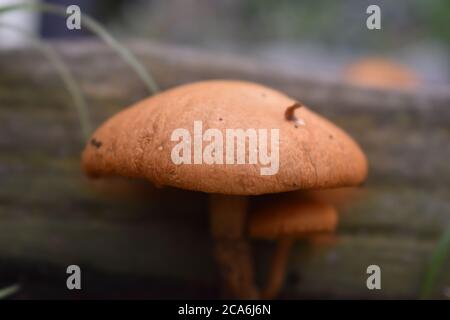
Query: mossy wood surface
{"type": "Point", "coordinates": [123, 232]}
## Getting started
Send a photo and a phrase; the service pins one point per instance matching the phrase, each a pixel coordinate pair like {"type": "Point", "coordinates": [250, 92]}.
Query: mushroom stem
{"type": "Point", "coordinates": [232, 250]}
{"type": "Point", "coordinates": [278, 268]}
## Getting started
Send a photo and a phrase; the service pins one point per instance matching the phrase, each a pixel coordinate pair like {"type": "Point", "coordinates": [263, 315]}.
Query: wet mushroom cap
{"type": "Point", "coordinates": [313, 152]}
{"type": "Point", "coordinates": [290, 217]}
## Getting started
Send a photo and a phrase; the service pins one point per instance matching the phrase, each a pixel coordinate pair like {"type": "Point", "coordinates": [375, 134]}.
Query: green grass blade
{"type": "Point", "coordinates": [97, 29]}
{"type": "Point", "coordinates": [8, 291]}
{"type": "Point", "coordinates": [66, 76]}
{"type": "Point", "coordinates": [436, 263]}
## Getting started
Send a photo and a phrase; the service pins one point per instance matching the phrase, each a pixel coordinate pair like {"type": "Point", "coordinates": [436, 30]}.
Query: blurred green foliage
{"type": "Point", "coordinates": [329, 20]}
{"type": "Point", "coordinates": [436, 17]}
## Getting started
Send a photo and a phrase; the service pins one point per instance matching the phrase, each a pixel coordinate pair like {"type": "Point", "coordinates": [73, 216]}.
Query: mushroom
{"type": "Point", "coordinates": [380, 73]}
{"type": "Point", "coordinates": [141, 142]}
{"type": "Point", "coordinates": [286, 219]}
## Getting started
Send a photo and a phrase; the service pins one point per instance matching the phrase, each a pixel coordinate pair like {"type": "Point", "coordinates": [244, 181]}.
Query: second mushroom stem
{"type": "Point", "coordinates": [278, 268]}
{"type": "Point", "coordinates": [232, 249]}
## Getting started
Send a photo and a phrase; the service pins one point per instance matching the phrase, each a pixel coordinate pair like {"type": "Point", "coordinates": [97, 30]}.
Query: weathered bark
{"type": "Point", "coordinates": [51, 215]}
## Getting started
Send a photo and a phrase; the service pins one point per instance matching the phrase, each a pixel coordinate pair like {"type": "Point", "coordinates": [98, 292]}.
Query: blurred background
{"type": "Point", "coordinates": [319, 37]}
{"type": "Point", "coordinates": [135, 241]}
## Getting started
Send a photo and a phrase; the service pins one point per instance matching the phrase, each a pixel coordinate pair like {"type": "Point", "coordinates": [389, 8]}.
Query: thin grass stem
{"type": "Point", "coordinates": [97, 29]}
{"type": "Point", "coordinates": [65, 75]}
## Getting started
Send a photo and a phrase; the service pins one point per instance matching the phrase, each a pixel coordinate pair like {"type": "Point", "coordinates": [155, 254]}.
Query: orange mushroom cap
{"type": "Point", "coordinates": [289, 216]}
{"type": "Point", "coordinates": [380, 73]}
{"type": "Point", "coordinates": [137, 141]}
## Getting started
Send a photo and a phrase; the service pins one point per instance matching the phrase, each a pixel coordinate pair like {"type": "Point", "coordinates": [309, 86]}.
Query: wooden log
{"type": "Point", "coordinates": [53, 216]}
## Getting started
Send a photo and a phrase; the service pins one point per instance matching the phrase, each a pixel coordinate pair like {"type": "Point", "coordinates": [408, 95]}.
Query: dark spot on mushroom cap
{"type": "Point", "coordinates": [95, 143]}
